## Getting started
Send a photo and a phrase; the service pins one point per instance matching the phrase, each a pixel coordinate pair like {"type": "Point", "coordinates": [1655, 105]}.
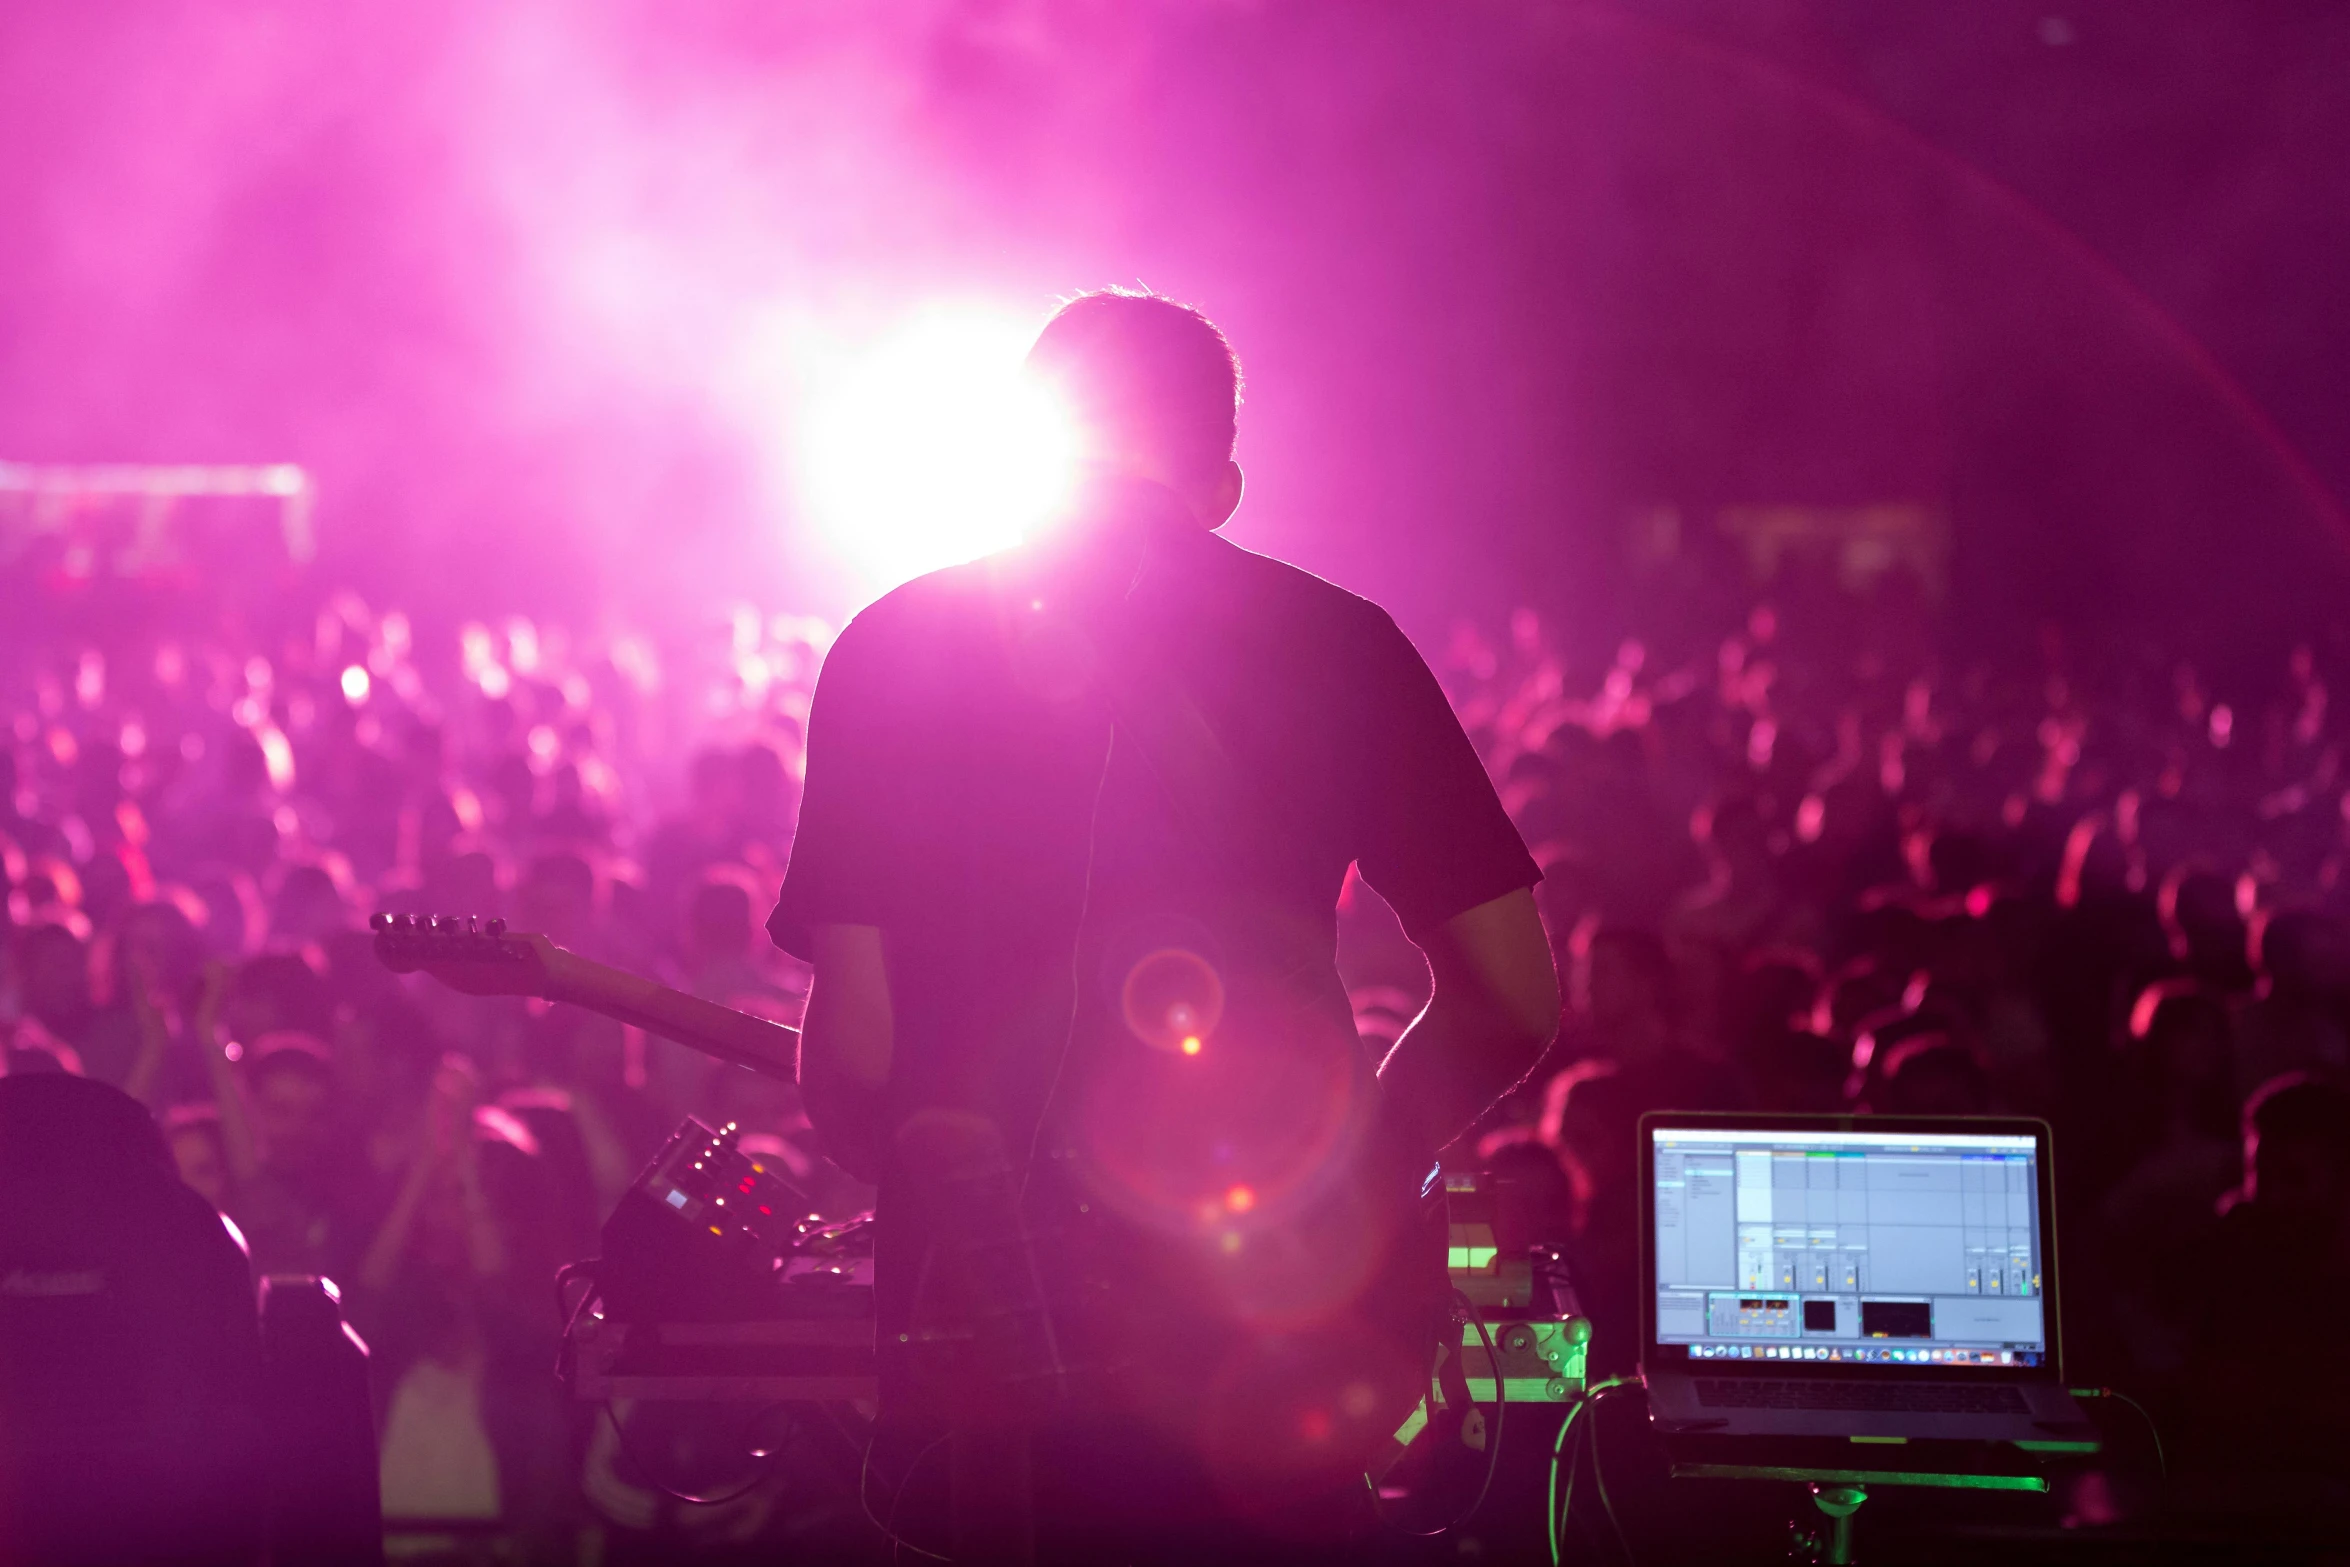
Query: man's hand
{"type": "Point", "coordinates": [1494, 1008]}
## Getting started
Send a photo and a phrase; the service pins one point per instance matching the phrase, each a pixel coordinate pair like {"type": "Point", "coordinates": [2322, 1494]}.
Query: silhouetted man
{"type": "Point", "coordinates": [1075, 823]}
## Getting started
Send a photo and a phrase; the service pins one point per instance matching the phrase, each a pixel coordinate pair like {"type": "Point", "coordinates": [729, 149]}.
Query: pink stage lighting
{"type": "Point", "coordinates": [931, 448]}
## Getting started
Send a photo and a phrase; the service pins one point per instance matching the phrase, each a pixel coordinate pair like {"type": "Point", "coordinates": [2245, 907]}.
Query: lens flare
{"type": "Point", "coordinates": [1173, 999]}
{"type": "Point", "coordinates": [931, 448]}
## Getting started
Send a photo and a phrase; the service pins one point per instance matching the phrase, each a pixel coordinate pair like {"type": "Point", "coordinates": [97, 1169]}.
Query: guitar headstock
{"type": "Point", "coordinates": [479, 957]}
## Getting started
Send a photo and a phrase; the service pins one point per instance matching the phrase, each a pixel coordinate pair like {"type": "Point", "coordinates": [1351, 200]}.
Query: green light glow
{"type": "Point", "coordinates": [1861, 1477]}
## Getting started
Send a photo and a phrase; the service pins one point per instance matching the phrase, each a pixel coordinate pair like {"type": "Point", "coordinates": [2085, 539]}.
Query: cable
{"type": "Point", "coordinates": [868, 1507]}
{"type": "Point", "coordinates": [567, 1352]}
{"type": "Point", "coordinates": [1501, 1407]}
{"type": "Point", "coordinates": [569, 1311]}
{"type": "Point", "coordinates": [1492, 1441]}
{"type": "Point", "coordinates": [1554, 1514]}
{"type": "Point", "coordinates": [2161, 1464]}
{"type": "Point", "coordinates": [1093, 823]}
{"type": "Point", "coordinates": [766, 1470]}
{"type": "Point", "coordinates": [1559, 1512]}
{"type": "Point", "coordinates": [1093, 826]}
{"type": "Point", "coordinates": [1606, 1502]}
{"type": "Point", "coordinates": [865, 1501]}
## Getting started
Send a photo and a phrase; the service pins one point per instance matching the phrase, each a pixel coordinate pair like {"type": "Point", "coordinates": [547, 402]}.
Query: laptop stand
{"type": "Point", "coordinates": [1838, 1493]}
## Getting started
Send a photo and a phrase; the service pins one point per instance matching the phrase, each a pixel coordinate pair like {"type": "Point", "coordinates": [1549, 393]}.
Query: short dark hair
{"type": "Point", "coordinates": [1147, 369]}
{"type": "Point", "coordinates": [2305, 1107]}
{"type": "Point", "coordinates": [290, 1051]}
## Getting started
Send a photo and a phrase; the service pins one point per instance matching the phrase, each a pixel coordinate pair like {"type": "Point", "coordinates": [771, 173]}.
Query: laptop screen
{"type": "Point", "coordinates": [1856, 1247]}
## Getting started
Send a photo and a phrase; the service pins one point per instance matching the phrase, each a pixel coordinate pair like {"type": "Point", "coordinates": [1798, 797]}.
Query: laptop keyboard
{"type": "Point", "coordinates": [1927, 1398]}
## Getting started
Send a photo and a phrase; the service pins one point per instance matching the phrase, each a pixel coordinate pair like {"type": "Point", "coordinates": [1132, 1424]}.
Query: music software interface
{"type": "Point", "coordinates": [1874, 1247]}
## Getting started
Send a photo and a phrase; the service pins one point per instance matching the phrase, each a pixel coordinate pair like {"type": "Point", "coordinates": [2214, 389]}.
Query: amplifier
{"type": "Point", "coordinates": [700, 1236]}
{"type": "Point", "coordinates": [717, 1286]}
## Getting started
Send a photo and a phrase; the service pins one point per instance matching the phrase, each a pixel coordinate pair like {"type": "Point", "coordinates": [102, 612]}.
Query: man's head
{"type": "Point", "coordinates": [722, 915]}
{"type": "Point", "coordinates": [2297, 1146]}
{"type": "Point", "coordinates": [274, 992]}
{"type": "Point", "coordinates": [1588, 1113]}
{"type": "Point", "coordinates": [193, 1131]}
{"type": "Point", "coordinates": [1625, 986]}
{"type": "Point", "coordinates": [53, 972]}
{"type": "Point", "coordinates": [292, 1081]}
{"type": "Point", "coordinates": [1155, 392]}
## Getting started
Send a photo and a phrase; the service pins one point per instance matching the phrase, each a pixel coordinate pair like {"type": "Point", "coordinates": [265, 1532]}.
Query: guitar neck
{"type": "Point", "coordinates": [737, 1038]}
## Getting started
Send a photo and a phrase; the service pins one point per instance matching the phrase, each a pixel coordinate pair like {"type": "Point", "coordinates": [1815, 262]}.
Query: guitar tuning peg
{"type": "Point", "coordinates": [496, 927]}
{"type": "Point", "coordinates": [379, 921]}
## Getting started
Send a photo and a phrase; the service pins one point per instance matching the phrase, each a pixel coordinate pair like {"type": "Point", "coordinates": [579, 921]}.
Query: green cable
{"type": "Point", "coordinates": [1599, 1475]}
{"type": "Point", "coordinates": [1558, 1514]}
{"type": "Point", "coordinates": [1552, 1516]}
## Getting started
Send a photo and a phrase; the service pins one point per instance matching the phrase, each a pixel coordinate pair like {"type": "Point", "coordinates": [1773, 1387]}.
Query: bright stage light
{"type": "Point", "coordinates": [931, 449]}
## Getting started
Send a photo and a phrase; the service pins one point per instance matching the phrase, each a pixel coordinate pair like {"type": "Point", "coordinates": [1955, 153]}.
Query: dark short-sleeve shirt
{"type": "Point", "coordinates": [965, 795]}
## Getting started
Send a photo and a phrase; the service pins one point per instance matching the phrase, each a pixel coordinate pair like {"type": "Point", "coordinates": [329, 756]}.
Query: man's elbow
{"type": "Point", "coordinates": [1510, 1027]}
{"type": "Point", "coordinates": [1493, 962]}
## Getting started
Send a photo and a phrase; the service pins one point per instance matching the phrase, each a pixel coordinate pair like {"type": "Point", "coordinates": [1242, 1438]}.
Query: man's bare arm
{"type": "Point", "coordinates": [845, 1044]}
{"type": "Point", "coordinates": [1495, 1006]}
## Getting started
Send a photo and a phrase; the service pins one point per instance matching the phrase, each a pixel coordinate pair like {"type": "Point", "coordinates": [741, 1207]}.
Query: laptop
{"type": "Point", "coordinates": [1885, 1278]}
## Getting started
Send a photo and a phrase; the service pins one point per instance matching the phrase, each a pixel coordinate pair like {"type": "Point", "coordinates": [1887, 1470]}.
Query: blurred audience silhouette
{"type": "Point", "coordinates": [1787, 868]}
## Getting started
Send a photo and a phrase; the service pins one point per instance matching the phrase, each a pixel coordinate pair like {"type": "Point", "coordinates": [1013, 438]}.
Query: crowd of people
{"type": "Point", "coordinates": [1805, 866]}
{"type": "Point", "coordinates": [193, 831]}
{"type": "Point", "coordinates": [1793, 860]}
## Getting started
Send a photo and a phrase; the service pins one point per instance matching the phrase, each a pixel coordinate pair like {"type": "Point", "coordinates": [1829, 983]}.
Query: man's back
{"type": "Point", "coordinates": [966, 796]}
